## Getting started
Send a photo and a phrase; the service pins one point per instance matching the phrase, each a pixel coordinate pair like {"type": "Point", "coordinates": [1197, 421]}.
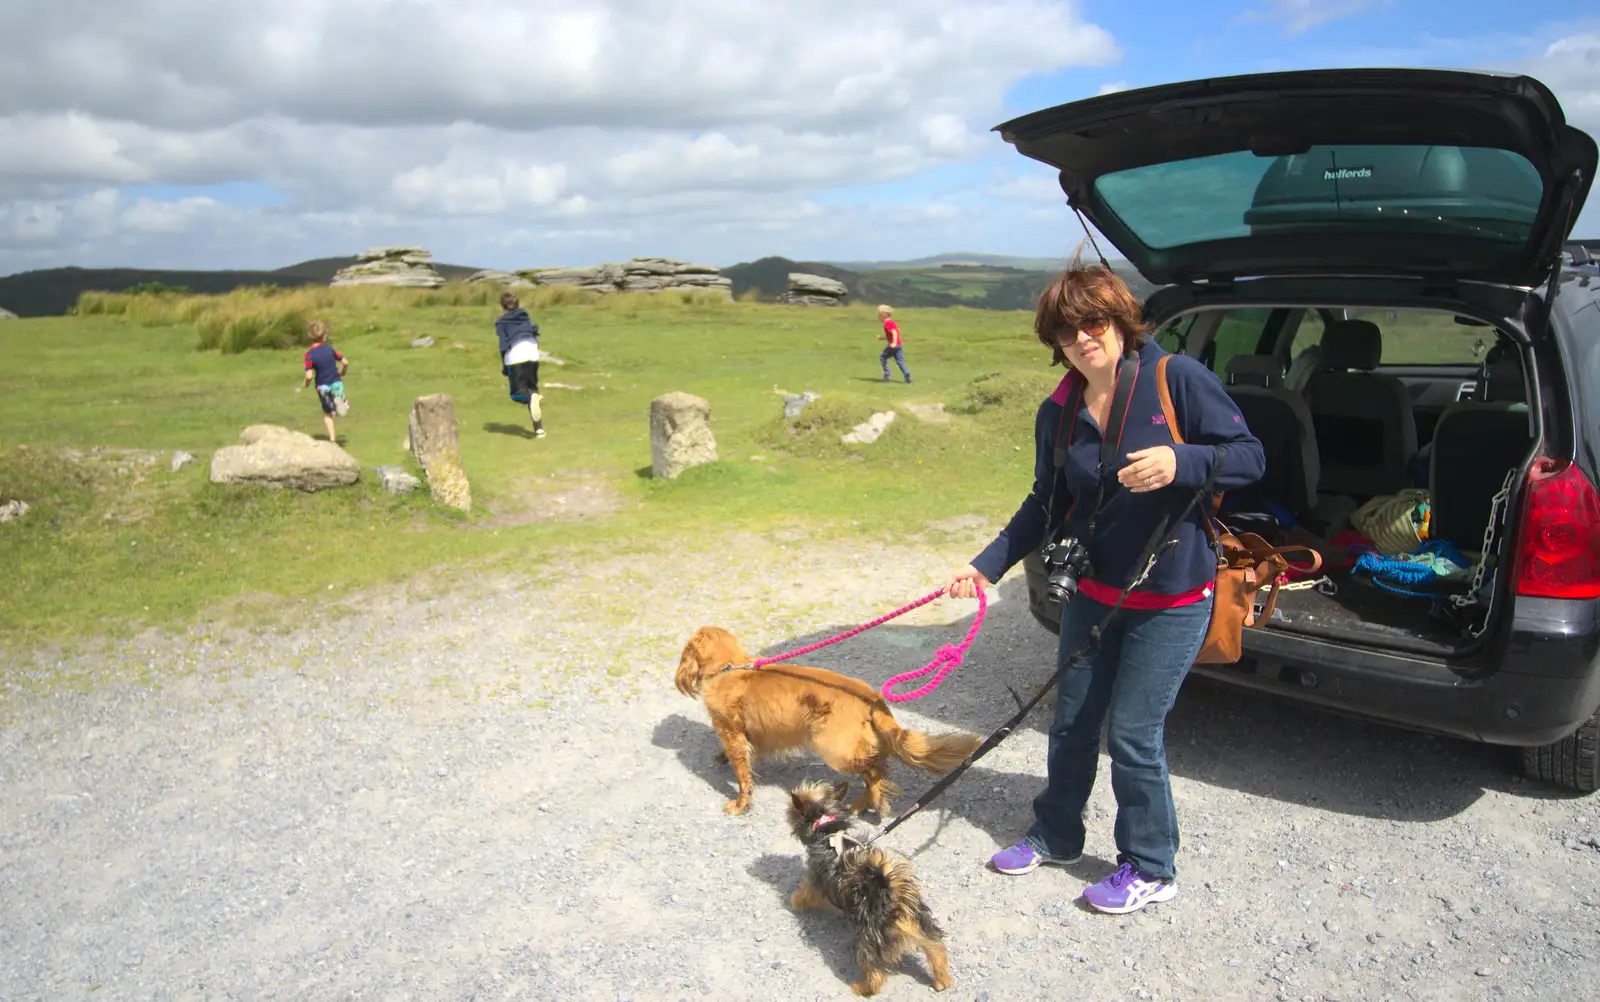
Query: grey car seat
{"type": "Point", "coordinates": [1475, 444]}
{"type": "Point", "coordinates": [1364, 426]}
{"type": "Point", "coordinates": [1278, 417]}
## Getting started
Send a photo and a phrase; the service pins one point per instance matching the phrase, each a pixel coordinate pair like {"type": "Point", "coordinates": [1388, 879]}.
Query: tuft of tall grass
{"type": "Point", "coordinates": [270, 317]}
{"type": "Point", "coordinates": [95, 303]}
{"type": "Point", "coordinates": [263, 328]}
{"type": "Point", "coordinates": [546, 296]}
{"type": "Point", "coordinates": [476, 294]}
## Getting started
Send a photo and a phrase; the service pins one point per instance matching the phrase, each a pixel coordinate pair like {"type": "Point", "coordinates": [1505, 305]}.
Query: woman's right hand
{"type": "Point", "coordinates": [966, 583]}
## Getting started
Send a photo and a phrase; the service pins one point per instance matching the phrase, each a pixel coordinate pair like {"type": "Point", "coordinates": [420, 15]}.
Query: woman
{"type": "Point", "coordinates": [1090, 321]}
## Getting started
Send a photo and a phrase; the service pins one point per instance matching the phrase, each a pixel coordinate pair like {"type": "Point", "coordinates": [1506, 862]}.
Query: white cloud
{"type": "Point", "coordinates": [1039, 187]}
{"type": "Point", "coordinates": [387, 114]}
{"type": "Point", "coordinates": [1113, 87]}
{"type": "Point", "coordinates": [31, 221]}
{"type": "Point", "coordinates": [1571, 67]}
{"type": "Point", "coordinates": [151, 216]}
{"type": "Point", "coordinates": [455, 189]}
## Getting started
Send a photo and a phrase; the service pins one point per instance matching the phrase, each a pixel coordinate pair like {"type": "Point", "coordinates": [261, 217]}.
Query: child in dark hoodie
{"type": "Point", "coordinates": [519, 356]}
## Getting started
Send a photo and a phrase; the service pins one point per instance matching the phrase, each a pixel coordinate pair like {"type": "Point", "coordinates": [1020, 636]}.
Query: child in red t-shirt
{"type": "Point", "coordinates": [896, 348]}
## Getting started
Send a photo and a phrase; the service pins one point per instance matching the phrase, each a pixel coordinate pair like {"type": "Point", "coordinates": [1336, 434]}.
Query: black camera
{"type": "Point", "coordinates": [1066, 562]}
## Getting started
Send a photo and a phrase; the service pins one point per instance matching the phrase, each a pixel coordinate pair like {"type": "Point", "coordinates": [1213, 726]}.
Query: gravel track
{"type": "Point", "coordinates": [497, 794]}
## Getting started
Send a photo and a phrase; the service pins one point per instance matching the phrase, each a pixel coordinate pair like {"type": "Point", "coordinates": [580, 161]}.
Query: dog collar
{"type": "Point", "coordinates": [822, 821]}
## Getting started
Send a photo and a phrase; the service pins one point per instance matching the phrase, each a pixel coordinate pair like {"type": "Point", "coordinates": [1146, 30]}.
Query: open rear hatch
{"type": "Point", "coordinates": [1434, 173]}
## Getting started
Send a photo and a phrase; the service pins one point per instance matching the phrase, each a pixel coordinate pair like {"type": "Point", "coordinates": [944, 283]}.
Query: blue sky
{"type": "Point", "coordinates": [1163, 41]}
{"type": "Point", "coordinates": [503, 134]}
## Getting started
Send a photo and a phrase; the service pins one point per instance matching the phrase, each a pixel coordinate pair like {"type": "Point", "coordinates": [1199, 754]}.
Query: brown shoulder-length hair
{"type": "Point", "coordinates": [1081, 294]}
{"type": "Point", "coordinates": [508, 300]}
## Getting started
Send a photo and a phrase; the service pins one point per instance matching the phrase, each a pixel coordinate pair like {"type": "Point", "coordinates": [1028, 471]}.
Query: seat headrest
{"type": "Point", "coordinates": [1254, 370]}
{"type": "Point", "coordinates": [1502, 378]}
{"type": "Point", "coordinates": [1351, 344]}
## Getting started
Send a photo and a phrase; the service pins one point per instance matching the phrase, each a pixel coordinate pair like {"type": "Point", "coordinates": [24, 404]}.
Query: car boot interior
{"type": "Point", "coordinates": [1390, 471]}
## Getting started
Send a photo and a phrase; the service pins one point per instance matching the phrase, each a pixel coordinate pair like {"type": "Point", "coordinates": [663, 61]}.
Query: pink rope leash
{"type": "Point", "coordinates": [948, 655]}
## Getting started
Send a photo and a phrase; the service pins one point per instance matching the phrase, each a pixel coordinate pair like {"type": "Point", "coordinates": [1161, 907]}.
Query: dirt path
{"type": "Point", "coordinates": [499, 795]}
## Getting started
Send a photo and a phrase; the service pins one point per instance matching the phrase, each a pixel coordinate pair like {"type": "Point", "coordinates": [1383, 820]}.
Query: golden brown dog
{"type": "Point", "coordinates": [779, 708]}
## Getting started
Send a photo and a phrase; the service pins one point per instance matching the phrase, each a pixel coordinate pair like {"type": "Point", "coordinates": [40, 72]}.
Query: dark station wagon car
{"type": "Point", "coordinates": [1373, 263]}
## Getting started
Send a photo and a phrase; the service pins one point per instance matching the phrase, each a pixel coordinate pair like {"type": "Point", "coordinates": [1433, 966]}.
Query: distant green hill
{"type": "Point", "coordinates": [959, 257]}
{"type": "Point", "coordinates": [49, 292]}
{"type": "Point", "coordinates": [980, 281]}
{"type": "Point", "coordinates": [977, 285]}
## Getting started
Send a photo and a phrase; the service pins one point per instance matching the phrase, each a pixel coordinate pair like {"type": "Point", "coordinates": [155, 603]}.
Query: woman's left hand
{"type": "Point", "coordinates": [1149, 469]}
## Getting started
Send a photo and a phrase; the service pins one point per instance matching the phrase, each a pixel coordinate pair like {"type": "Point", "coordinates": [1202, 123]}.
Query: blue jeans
{"type": "Point", "coordinates": [1143, 658]}
{"type": "Point", "coordinates": [898, 353]}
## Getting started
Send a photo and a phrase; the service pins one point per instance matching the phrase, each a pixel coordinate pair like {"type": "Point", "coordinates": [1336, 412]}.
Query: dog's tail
{"type": "Point", "coordinates": [892, 907]}
{"type": "Point", "coordinates": [937, 753]}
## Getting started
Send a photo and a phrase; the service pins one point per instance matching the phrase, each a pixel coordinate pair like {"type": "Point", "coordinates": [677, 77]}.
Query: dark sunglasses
{"type": "Point", "coordinates": [1092, 326]}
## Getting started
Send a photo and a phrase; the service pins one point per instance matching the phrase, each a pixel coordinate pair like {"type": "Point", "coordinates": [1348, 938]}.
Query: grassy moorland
{"type": "Point", "coordinates": [114, 541]}
{"type": "Point", "coordinates": [92, 406]}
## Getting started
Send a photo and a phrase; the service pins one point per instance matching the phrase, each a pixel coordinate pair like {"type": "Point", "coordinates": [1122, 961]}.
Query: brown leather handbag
{"type": "Point", "coordinates": [1246, 563]}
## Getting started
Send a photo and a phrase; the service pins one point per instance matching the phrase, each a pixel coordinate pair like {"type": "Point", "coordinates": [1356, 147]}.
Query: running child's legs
{"type": "Point", "coordinates": [900, 360]}
{"type": "Point", "coordinates": [325, 397]}
{"type": "Point", "coordinates": [525, 389]}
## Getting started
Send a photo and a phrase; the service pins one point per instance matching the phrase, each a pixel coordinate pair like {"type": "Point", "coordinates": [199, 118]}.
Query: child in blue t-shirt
{"type": "Point", "coordinates": [325, 368]}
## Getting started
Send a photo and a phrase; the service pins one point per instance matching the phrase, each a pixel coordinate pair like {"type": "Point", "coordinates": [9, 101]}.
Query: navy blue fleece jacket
{"type": "Point", "coordinates": [514, 326]}
{"type": "Point", "coordinates": [1207, 417]}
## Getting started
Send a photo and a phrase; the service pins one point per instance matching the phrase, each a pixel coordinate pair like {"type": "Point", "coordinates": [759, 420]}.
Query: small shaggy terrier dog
{"type": "Point", "coordinates": [781, 708]}
{"type": "Point", "coordinates": [874, 887]}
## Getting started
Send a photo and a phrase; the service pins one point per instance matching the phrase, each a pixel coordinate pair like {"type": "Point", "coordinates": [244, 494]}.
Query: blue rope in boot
{"type": "Point", "coordinates": [1403, 576]}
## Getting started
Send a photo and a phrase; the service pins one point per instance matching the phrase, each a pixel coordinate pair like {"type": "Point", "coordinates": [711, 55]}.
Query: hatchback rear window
{"type": "Point", "coordinates": [1472, 191]}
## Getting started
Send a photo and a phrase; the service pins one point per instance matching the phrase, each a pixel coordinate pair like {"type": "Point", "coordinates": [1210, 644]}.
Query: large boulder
{"type": "Point", "coordinates": [680, 434]}
{"type": "Point", "coordinates": [639, 274]}
{"type": "Point", "coordinates": [436, 443]}
{"type": "Point", "coordinates": [6, 314]}
{"type": "Point", "coordinates": [401, 252]}
{"type": "Point", "coordinates": [813, 290]}
{"type": "Point", "coordinates": [509, 280]}
{"type": "Point", "coordinates": [271, 456]}
{"type": "Point", "coordinates": [405, 267]}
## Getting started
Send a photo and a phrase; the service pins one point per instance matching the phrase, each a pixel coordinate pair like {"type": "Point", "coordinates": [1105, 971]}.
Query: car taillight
{"type": "Point", "coordinates": [1559, 555]}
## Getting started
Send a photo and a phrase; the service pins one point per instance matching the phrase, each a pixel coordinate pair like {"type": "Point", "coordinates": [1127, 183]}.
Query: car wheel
{"type": "Point", "coordinates": [1572, 763]}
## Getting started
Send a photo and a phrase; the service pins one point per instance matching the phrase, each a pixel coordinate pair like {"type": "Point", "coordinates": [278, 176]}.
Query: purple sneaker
{"type": "Point", "coordinates": [1128, 890]}
{"type": "Point", "coordinates": [1024, 858]}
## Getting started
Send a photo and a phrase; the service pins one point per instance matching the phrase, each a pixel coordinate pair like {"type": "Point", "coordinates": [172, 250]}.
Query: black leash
{"type": "Point", "coordinates": [1152, 552]}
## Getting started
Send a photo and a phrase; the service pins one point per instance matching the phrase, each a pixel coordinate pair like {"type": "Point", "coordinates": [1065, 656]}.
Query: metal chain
{"type": "Point", "coordinates": [1324, 584]}
{"type": "Point", "coordinates": [1497, 508]}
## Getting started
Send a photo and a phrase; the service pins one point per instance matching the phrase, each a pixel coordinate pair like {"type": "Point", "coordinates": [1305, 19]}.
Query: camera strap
{"type": "Point", "coordinates": [1116, 417]}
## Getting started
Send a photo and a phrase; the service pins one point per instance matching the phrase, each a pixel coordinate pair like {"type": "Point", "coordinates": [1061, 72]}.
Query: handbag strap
{"type": "Point", "coordinates": [1176, 431]}
{"type": "Point", "coordinates": [1263, 556]}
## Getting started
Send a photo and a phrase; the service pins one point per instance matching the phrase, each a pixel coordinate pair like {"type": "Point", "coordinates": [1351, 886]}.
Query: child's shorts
{"type": "Point", "coordinates": [332, 399]}
{"type": "Point", "coordinates": [524, 380]}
